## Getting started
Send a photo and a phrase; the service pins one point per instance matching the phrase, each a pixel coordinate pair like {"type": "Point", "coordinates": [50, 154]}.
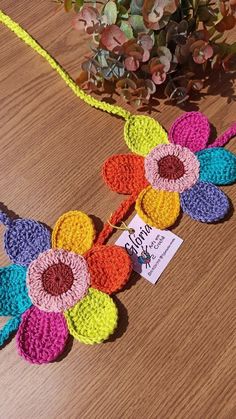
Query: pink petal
{"type": "Point", "coordinates": [41, 337]}
{"type": "Point", "coordinates": [191, 130]}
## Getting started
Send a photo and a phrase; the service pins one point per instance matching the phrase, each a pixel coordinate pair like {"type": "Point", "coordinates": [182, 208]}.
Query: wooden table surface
{"type": "Point", "coordinates": [174, 353]}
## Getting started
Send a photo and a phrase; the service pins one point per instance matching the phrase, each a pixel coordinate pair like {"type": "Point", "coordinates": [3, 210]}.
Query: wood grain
{"type": "Point", "coordinates": [174, 353]}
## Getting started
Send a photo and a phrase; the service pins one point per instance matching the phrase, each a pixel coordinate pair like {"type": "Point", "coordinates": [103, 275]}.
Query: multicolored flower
{"type": "Point", "coordinates": [58, 285]}
{"type": "Point", "coordinates": [181, 171]}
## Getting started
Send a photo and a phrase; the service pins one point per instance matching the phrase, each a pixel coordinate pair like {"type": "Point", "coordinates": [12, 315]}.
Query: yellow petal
{"type": "Point", "coordinates": [159, 209]}
{"type": "Point", "coordinates": [93, 319]}
{"type": "Point", "coordinates": [143, 133]}
{"type": "Point", "coordinates": [74, 231]}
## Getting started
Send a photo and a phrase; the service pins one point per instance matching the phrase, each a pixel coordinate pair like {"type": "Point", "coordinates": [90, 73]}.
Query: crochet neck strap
{"type": "Point", "coordinates": [91, 101]}
{"type": "Point", "coordinates": [141, 129]}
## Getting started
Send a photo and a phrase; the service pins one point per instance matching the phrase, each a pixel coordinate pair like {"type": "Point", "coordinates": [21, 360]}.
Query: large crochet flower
{"type": "Point", "coordinates": [169, 175]}
{"type": "Point", "coordinates": [51, 290]}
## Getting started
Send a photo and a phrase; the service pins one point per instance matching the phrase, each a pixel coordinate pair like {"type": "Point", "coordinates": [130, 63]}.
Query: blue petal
{"type": "Point", "coordinates": [10, 327]}
{"type": "Point", "coordinates": [217, 166]}
{"type": "Point", "coordinates": [14, 299]}
{"type": "Point", "coordinates": [205, 202]}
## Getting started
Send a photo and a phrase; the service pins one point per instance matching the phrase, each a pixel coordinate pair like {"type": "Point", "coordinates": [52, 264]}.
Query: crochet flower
{"type": "Point", "coordinates": [58, 285]}
{"type": "Point", "coordinates": [181, 171]}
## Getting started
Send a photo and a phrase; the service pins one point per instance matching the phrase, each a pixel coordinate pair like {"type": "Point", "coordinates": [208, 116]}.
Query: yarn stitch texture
{"type": "Point", "coordinates": [14, 298]}
{"type": "Point", "coordinates": [24, 239]}
{"type": "Point", "coordinates": [139, 131]}
{"type": "Point", "coordinates": [158, 192]}
{"type": "Point", "coordinates": [97, 316]}
{"type": "Point", "coordinates": [69, 292]}
{"type": "Point", "coordinates": [142, 134]}
{"type": "Point", "coordinates": [183, 173]}
{"type": "Point", "coordinates": [24, 36]}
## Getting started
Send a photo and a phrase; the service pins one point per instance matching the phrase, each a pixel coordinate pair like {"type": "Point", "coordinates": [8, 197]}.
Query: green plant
{"type": "Point", "coordinates": [139, 45]}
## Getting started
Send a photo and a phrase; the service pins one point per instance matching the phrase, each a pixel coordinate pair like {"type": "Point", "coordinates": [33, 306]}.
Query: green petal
{"type": "Point", "coordinates": [143, 133]}
{"type": "Point", "coordinates": [93, 319]}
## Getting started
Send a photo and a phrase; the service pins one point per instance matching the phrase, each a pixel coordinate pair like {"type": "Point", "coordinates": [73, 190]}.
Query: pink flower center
{"type": "Point", "coordinates": [57, 279]}
{"type": "Point", "coordinates": [171, 168]}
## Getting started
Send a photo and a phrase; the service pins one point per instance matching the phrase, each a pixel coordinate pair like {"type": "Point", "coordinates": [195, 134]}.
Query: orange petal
{"type": "Point", "coordinates": [109, 268]}
{"type": "Point", "coordinates": [124, 173]}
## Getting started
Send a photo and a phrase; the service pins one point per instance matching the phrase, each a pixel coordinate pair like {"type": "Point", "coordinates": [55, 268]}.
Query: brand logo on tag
{"type": "Point", "coordinates": [150, 249]}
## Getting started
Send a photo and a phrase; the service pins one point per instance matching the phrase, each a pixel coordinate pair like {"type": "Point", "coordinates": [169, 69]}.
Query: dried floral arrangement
{"type": "Point", "coordinates": [138, 45]}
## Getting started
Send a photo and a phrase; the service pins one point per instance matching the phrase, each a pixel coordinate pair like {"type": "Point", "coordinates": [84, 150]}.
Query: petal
{"type": "Point", "coordinates": [159, 209]}
{"type": "Point", "coordinates": [25, 239]}
{"type": "Point", "coordinates": [205, 202]}
{"type": "Point", "coordinates": [14, 298]}
{"type": "Point", "coordinates": [190, 130]}
{"type": "Point", "coordinates": [93, 319]}
{"type": "Point", "coordinates": [124, 173]}
{"type": "Point", "coordinates": [217, 166]}
{"type": "Point", "coordinates": [41, 337]}
{"type": "Point", "coordinates": [109, 267]}
{"type": "Point", "coordinates": [143, 133]}
{"type": "Point", "coordinates": [10, 327]}
{"type": "Point", "coordinates": [74, 231]}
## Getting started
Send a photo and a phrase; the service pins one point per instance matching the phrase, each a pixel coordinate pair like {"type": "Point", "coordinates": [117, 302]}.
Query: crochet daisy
{"type": "Point", "coordinates": [51, 290]}
{"type": "Point", "coordinates": [179, 172]}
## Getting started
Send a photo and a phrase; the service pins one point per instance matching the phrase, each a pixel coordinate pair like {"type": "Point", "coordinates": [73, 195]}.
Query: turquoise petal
{"type": "Point", "coordinates": [14, 299]}
{"type": "Point", "coordinates": [10, 327]}
{"type": "Point", "coordinates": [217, 166]}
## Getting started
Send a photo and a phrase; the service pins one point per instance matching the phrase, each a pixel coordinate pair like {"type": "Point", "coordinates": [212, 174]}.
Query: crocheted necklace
{"type": "Point", "coordinates": [171, 175]}
{"type": "Point", "coordinates": [60, 283]}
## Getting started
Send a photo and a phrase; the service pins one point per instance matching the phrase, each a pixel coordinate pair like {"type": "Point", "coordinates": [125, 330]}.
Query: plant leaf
{"type": "Point", "coordinates": [67, 5]}
{"type": "Point", "coordinates": [112, 37]}
{"type": "Point", "coordinates": [127, 29]}
{"type": "Point", "coordinates": [137, 23]}
{"type": "Point", "coordinates": [136, 7]}
{"type": "Point", "coordinates": [110, 11]}
{"type": "Point", "coordinates": [122, 12]}
{"type": "Point", "coordinates": [78, 5]}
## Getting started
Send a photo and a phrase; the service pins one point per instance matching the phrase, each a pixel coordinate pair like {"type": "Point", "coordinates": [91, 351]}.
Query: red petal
{"type": "Point", "coordinates": [109, 267]}
{"type": "Point", "coordinates": [124, 173]}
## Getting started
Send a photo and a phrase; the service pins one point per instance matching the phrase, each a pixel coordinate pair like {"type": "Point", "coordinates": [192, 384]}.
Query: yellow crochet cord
{"type": "Point", "coordinates": [22, 34]}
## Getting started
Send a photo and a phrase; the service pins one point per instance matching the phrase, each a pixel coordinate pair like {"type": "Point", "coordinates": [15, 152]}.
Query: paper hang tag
{"type": "Point", "coordinates": [150, 249]}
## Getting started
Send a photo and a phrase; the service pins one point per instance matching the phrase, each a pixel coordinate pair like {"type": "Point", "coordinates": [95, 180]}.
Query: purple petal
{"type": "Point", "coordinates": [24, 239]}
{"type": "Point", "coordinates": [205, 202]}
